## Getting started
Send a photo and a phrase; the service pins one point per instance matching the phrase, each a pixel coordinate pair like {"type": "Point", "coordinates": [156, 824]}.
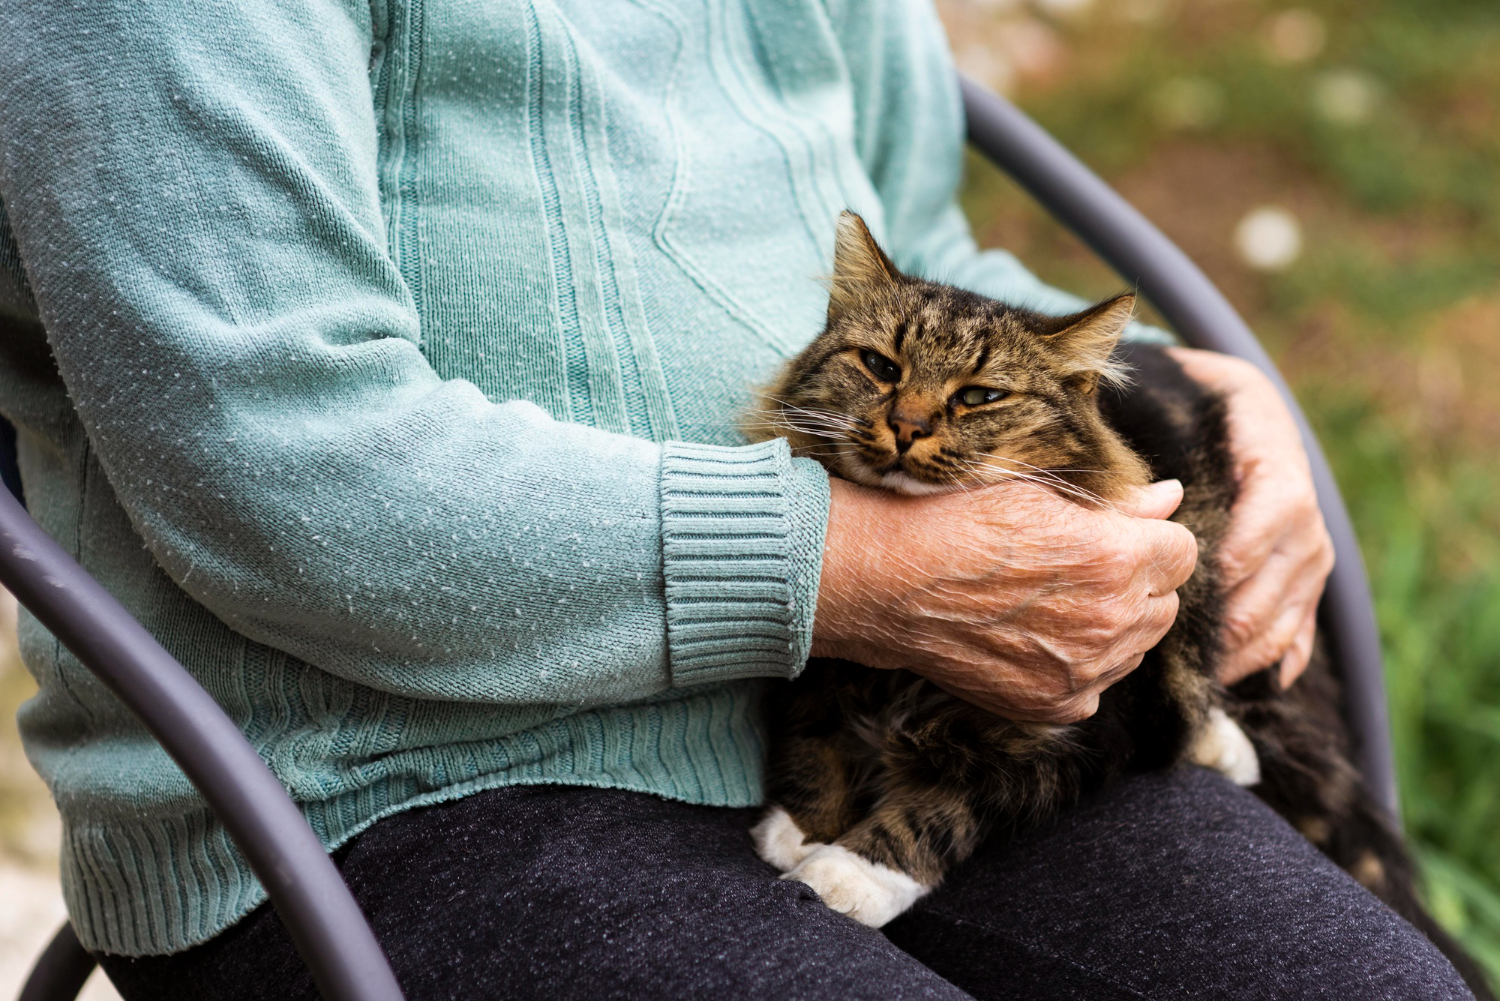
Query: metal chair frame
{"type": "Point", "coordinates": [306, 889]}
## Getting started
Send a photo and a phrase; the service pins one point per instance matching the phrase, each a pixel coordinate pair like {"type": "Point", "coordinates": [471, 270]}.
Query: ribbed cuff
{"type": "Point", "coordinates": [742, 531]}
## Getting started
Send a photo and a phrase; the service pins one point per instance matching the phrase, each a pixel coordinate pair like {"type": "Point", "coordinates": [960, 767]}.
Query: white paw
{"type": "Point", "coordinates": [780, 841]}
{"type": "Point", "coordinates": [868, 892]}
{"type": "Point", "coordinates": [1223, 746]}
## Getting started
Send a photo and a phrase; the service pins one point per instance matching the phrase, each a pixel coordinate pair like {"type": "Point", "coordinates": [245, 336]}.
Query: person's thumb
{"type": "Point", "coordinates": [1158, 500]}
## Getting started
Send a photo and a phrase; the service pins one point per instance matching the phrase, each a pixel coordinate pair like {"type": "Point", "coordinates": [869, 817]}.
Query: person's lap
{"type": "Point", "coordinates": [1165, 886]}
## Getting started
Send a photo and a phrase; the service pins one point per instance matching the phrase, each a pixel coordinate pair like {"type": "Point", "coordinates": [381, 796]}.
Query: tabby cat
{"type": "Point", "coordinates": [879, 781]}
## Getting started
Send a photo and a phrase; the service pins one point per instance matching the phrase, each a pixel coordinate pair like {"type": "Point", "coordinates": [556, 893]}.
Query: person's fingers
{"type": "Point", "coordinates": [1117, 672]}
{"type": "Point", "coordinates": [1300, 655]}
{"type": "Point", "coordinates": [1156, 501]}
{"type": "Point", "coordinates": [1271, 645]}
{"type": "Point", "coordinates": [1172, 555]}
{"type": "Point", "coordinates": [1263, 615]}
{"type": "Point", "coordinates": [1074, 710]}
{"type": "Point", "coordinates": [1251, 608]}
{"type": "Point", "coordinates": [1250, 541]}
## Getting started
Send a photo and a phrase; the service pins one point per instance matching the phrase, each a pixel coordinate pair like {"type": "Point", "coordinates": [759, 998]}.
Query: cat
{"type": "Point", "coordinates": [879, 782]}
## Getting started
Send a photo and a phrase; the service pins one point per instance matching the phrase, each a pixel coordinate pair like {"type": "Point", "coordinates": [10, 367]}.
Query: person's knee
{"type": "Point", "coordinates": [1180, 882]}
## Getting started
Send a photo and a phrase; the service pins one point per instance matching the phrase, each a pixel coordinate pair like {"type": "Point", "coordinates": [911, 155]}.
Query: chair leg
{"type": "Point", "coordinates": [61, 970]}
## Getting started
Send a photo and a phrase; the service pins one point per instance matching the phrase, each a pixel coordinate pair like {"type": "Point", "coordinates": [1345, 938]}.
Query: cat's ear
{"type": "Point", "coordinates": [1081, 344]}
{"type": "Point", "coordinates": [860, 268]}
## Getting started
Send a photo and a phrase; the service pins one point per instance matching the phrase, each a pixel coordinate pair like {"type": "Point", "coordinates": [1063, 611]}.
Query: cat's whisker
{"type": "Point", "coordinates": [1023, 462]}
{"type": "Point", "coordinates": [826, 415]}
{"type": "Point", "coordinates": [1051, 477]}
{"type": "Point", "coordinates": [799, 424]}
{"type": "Point", "coordinates": [818, 417]}
{"type": "Point", "coordinates": [1054, 483]}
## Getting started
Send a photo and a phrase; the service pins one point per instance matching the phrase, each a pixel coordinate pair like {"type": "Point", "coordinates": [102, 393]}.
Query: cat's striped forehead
{"type": "Point", "coordinates": [948, 331]}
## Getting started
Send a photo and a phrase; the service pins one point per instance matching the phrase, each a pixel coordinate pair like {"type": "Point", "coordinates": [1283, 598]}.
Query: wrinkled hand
{"type": "Point", "coordinates": [1277, 554]}
{"type": "Point", "coordinates": [1010, 597]}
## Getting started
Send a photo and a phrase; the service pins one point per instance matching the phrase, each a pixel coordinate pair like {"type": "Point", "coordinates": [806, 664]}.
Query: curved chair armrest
{"type": "Point", "coordinates": [1144, 256]}
{"type": "Point", "coordinates": [306, 889]}
{"type": "Point", "coordinates": [61, 970]}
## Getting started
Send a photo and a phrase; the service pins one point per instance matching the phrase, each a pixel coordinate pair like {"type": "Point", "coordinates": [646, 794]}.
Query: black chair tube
{"type": "Point", "coordinates": [1144, 256]}
{"type": "Point", "coordinates": [306, 889]}
{"type": "Point", "coordinates": [61, 971]}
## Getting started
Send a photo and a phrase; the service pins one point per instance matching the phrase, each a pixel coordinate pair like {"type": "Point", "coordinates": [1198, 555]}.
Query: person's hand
{"type": "Point", "coordinates": [1277, 554]}
{"type": "Point", "coordinates": [1011, 597]}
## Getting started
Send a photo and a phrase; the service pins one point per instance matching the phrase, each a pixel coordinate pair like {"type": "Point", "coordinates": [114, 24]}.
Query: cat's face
{"type": "Point", "coordinates": [919, 388]}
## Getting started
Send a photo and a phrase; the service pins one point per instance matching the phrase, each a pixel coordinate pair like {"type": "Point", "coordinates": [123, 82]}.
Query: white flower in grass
{"type": "Point", "coordinates": [1268, 238]}
{"type": "Point", "coordinates": [1346, 97]}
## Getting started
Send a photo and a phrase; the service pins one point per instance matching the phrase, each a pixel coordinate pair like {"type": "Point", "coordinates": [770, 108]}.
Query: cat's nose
{"type": "Point", "coordinates": [908, 429]}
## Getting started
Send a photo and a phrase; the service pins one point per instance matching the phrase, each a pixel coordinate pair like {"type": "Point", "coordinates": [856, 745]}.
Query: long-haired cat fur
{"type": "Point", "coordinates": [879, 782]}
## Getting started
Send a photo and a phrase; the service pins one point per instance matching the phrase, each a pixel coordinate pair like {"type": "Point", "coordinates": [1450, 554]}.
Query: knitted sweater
{"type": "Point", "coordinates": [383, 358]}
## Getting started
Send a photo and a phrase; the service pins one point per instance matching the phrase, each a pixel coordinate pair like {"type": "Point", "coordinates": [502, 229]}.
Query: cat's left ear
{"type": "Point", "coordinates": [1082, 343]}
{"type": "Point", "coordinates": [861, 270]}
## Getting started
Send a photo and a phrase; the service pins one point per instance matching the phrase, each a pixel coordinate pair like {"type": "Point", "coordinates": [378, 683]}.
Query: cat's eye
{"type": "Point", "coordinates": [881, 367]}
{"type": "Point", "coordinates": [976, 396]}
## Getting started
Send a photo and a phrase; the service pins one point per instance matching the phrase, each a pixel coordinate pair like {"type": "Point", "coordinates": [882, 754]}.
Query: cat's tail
{"type": "Point", "coordinates": [1307, 778]}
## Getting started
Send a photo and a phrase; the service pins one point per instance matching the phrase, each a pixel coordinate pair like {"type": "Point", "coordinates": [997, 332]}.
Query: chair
{"type": "Point", "coordinates": [304, 886]}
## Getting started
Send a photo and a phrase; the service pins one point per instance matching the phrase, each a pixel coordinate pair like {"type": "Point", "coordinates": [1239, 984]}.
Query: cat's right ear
{"type": "Point", "coordinates": [860, 267]}
{"type": "Point", "coordinates": [1082, 343]}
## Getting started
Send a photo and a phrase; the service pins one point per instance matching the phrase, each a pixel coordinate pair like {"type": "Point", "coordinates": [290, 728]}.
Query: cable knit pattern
{"type": "Point", "coordinates": [384, 358]}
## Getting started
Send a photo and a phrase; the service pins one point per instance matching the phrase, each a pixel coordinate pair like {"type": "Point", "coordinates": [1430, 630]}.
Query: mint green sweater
{"type": "Point", "coordinates": [383, 358]}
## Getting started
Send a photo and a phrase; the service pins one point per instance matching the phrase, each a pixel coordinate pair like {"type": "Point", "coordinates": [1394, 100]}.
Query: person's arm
{"type": "Point", "coordinates": [193, 188]}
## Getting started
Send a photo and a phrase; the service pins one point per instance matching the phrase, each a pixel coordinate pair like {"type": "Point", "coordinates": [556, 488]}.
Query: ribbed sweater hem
{"type": "Point", "coordinates": [158, 885]}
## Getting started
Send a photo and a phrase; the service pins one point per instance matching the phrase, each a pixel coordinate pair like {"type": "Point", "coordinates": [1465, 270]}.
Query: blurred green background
{"type": "Point", "coordinates": [1335, 167]}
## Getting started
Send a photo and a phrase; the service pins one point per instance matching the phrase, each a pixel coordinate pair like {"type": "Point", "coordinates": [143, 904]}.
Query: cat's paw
{"type": "Point", "coordinates": [1223, 746]}
{"type": "Point", "coordinates": [868, 892]}
{"type": "Point", "coordinates": [779, 840]}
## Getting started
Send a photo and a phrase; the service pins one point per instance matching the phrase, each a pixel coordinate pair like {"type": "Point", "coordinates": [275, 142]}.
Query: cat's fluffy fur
{"type": "Point", "coordinates": [879, 781]}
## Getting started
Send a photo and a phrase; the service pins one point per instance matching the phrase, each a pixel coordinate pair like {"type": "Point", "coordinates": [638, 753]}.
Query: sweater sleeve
{"type": "Point", "coordinates": [909, 125]}
{"type": "Point", "coordinates": [193, 189]}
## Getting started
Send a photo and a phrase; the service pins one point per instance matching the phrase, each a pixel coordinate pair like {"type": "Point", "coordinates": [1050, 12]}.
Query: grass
{"type": "Point", "coordinates": [1378, 128]}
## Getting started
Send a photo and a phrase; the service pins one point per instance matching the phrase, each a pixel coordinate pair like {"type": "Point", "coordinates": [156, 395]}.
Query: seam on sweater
{"type": "Point", "coordinates": [643, 381]}
{"type": "Point", "coordinates": [825, 168]}
{"type": "Point", "coordinates": [602, 354]}
{"type": "Point", "coordinates": [661, 231]}
{"type": "Point", "coordinates": [738, 84]}
{"type": "Point", "coordinates": [573, 394]}
{"type": "Point", "coordinates": [410, 223]}
{"type": "Point", "coordinates": [59, 665]}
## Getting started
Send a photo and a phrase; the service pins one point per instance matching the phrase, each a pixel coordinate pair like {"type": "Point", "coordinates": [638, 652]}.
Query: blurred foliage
{"type": "Point", "coordinates": [1377, 124]}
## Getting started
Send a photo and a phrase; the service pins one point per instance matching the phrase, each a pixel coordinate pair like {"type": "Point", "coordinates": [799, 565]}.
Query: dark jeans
{"type": "Point", "coordinates": [1167, 886]}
